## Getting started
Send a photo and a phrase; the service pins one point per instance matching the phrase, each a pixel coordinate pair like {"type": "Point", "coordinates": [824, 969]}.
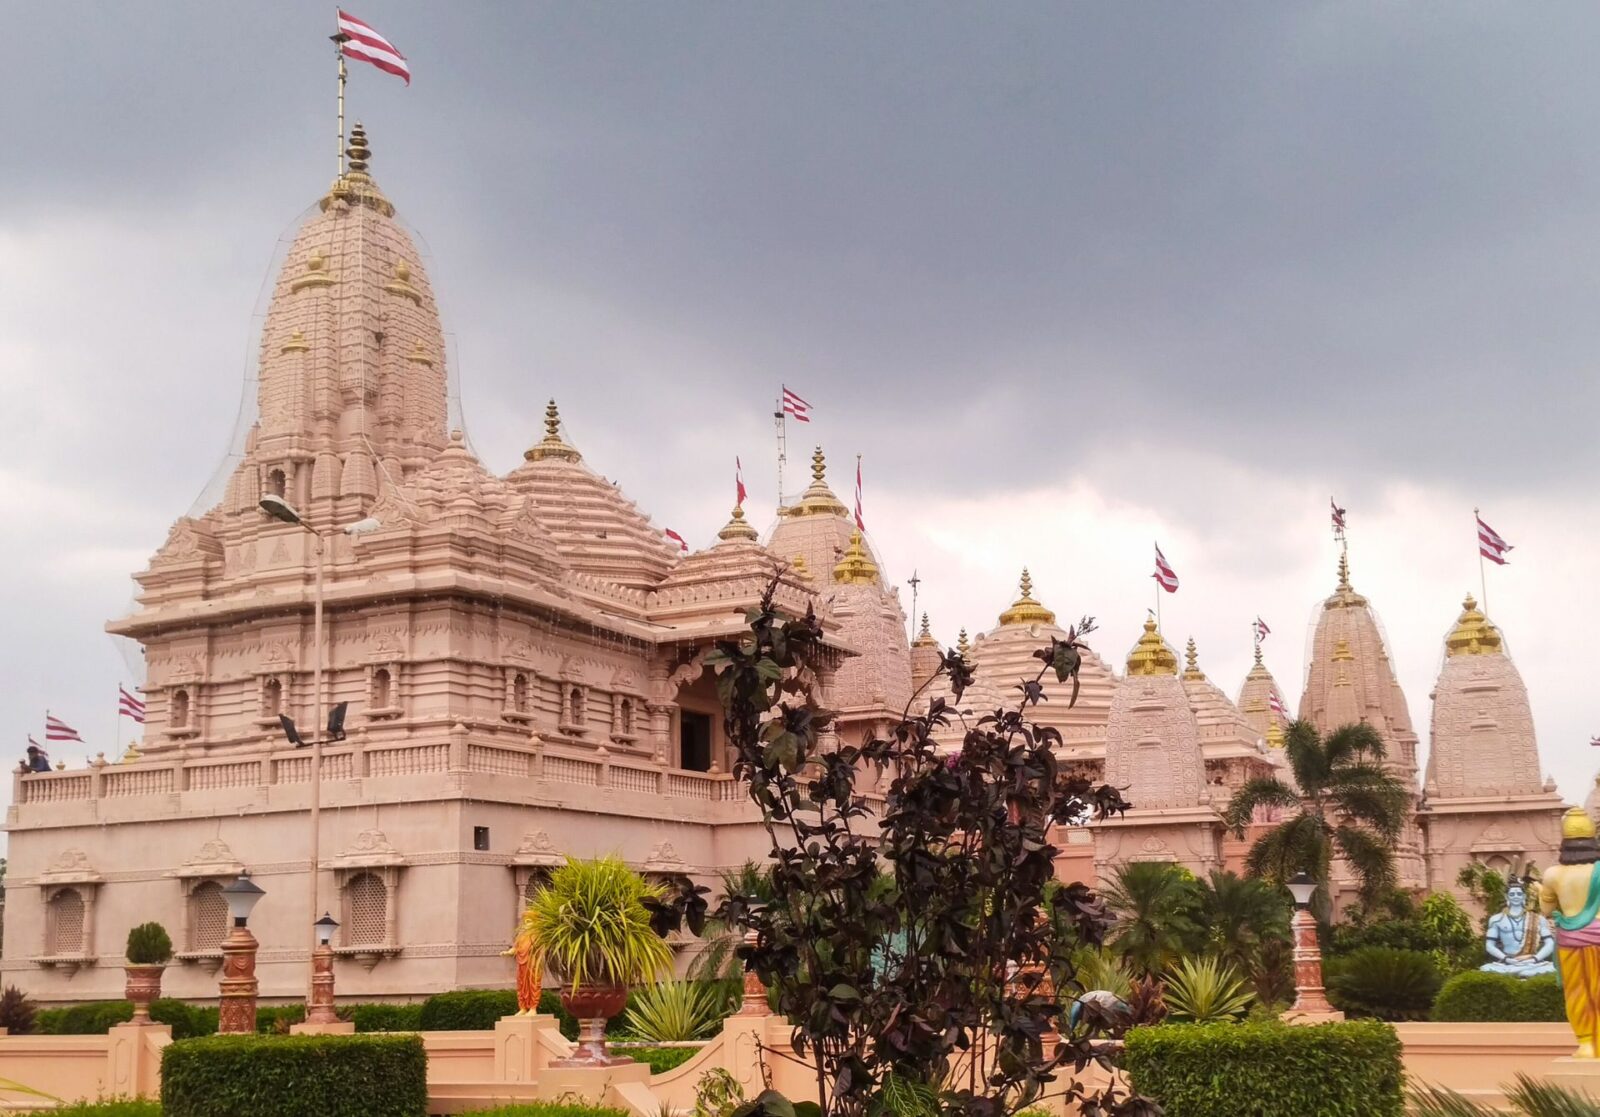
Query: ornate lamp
{"type": "Point", "coordinates": [239, 985]}
{"type": "Point", "coordinates": [1309, 998]}
{"type": "Point", "coordinates": [319, 1010]}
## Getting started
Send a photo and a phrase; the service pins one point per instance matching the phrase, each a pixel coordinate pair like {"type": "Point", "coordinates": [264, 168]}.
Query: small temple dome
{"type": "Point", "coordinates": [1473, 634]}
{"type": "Point", "coordinates": [1150, 655]}
{"type": "Point", "coordinates": [1025, 610]}
{"type": "Point", "coordinates": [857, 567]}
{"type": "Point", "coordinates": [597, 529]}
{"type": "Point", "coordinates": [819, 526]}
{"type": "Point", "coordinates": [738, 527]}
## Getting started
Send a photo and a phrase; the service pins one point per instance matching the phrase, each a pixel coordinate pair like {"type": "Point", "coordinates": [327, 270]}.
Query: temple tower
{"type": "Point", "coordinates": [1350, 679]}
{"type": "Point", "coordinates": [1153, 748]}
{"type": "Point", "coordinates": [1486, 798]}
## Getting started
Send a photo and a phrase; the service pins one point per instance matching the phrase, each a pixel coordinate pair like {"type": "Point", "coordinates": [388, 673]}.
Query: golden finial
{"type": "Point", "coordinates": [1191, 661]}
{"type": "Point", "coordinates": [1151, 656]}
{"type": "Point", "coordinates": [358, 151]}
{"type": "Point", "coordinates": [819, 466]}
{"type": "Point", "coordinates": [295, 344]}
{"type": "Point", "coordinates": [963, 648]}
{"type": "Point", "coordinates": [1473, 634]}
{"type": "Point", "coordinates": [401, 285]}
{"type": "Point", "coordinates": [925, 637]}
{"type": "Point", "coordinates": [1258, 654]}
{"type": "Point", "coordinates": [1344, 569]}
{"type": "Point", "coordinates": [1274, 735]}
{"type": "Point", "coordinates": [738, 527]}
{"type": "Point", "coordinates": [818, 499]}
{"type": "Point", "coordinates": [552, 446]}
{"type": "Point", "coordinates": [856, 568]}
{"type": "Point", "coordinates": [316, 275]}
{"type": "Point", "coordinates": [1025, 610]}
{"type": "Point", "coordinates": [1576, 823]}
{"type": "Point", "coordinates": [800, 568]}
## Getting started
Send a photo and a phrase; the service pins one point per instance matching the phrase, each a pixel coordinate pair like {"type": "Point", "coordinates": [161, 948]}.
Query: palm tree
{"type": "Point", "coordinates": [717, 960]}
{"type": "Point", "coordinates": [1239, 915]}
{"type": "Point", "coordinates": [1348, 804]}
{"type": "Point", "coordinates": [1157, 905]}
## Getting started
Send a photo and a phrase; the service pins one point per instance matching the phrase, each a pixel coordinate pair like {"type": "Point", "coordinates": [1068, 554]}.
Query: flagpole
{"type": "Point", "coordinates": [1483, 575]}
{"type": "Point", "coordinates": [779, 425]}
{"type": "Point", "coordinates": [338, 52]}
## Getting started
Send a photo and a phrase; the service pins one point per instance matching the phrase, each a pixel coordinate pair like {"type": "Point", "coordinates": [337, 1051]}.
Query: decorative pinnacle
{"type": "Point", "coordinates": [819, 466]}
{"type": "Point", "coordinates": [552, 446]}
{"type": "Point", "coordinates": [856, 567]}
{"type": "Point", "coordinates": [962, 646]}
{"type": "Point", "coordinates": [1344, 570]}
{"type": "Point", "coordinates": [1025, 583]}
{"type": "Point", "coordinates": [737, 527]}
{"type": "Point", "coordinates": [1258, 654]}
{"type": "Point", "coordinates": [1191, 662]}
{"type": "Point", "coordinates": [358, 151]}
{"type": "Point", "coordinates": [925, 637]}
{"type": "Point", "coordinates": [1474, 633]}
{"type": "Point", "coordinates": [1025, 610]}
{"type": "Point", "coordinates": [1151, 656]}
{"type": "Point", "coordinates": [924, 631]}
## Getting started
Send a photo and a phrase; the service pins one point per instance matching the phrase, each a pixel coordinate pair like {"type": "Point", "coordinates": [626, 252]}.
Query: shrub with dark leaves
{"type": "Point", "coordinates": [914, 952]}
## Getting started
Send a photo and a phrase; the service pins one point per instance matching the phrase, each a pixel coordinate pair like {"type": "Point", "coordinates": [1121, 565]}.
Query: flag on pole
{"type": "Point", "coordinates": [1490, 545]}
{"type": "Point", "coordinates": [1338, 518]}
{"type": "Point", "coordinates": [364, 44]}
{"type": "Point", "coordinates": [57, 730]}
{"type": "Point", "coordinates": [1262, 631]}
{"type": "Point", "coordinates": [738, 482]}
{"type": "Point", "coordinates": [860, 524]}
{"type": "Point", "coordinates": [794, 405]}
{"type": "Point", "coordinates": [678, 539]}
{"type": "Point", "coordinates": [1165, 576]}
{"type": "Point", "coordinates": [129, 706]}
{"type": "Point", "coordinates": [1595, 741]}
{"type": "Point", "coordinates": [36, 745]}
{"type": "Point", "coordinates": [1275, 703]}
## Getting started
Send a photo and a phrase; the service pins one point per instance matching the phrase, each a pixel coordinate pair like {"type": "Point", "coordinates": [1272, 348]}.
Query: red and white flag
{"type": "Point", "coordinates": [1262, 631]}
{"type": "Point", "coordinates": [1165, 576]}
{"type": "Point", "coordinates": [364, 44]}
{"type": "Point", "coordinates": [57, 730]}
{"type": "Point", "coordinates": [1338, 518]}
{"type": "Point", "coordinates": [1490, 545]}
{"type": "Point", "coordinates": [860, 524]}
{"type": "Point", "coordinates": [1595, 741]}
{"type": "Point", "coordinates": [1275, 703]}
{"type": "Point", "coordinates": [678, 539]}
{"type": "Point", "coordinates": [129, 705]}
{"type": "Point", "coordinates": [794, 405]}
{"type": "Point", "coordinates": [738, 482]}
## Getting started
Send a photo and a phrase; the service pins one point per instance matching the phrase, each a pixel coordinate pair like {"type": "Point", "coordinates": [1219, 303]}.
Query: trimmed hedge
{"type": "Point", "coordinates": [547, 1109]}
{"type": "Point", "coordinates": [1476, 995]}
{"type": "Point", "coordinates": [122, 1107]}
{"type": "Point", "coordinates": [295, 1076]}
{"type": "Point", "coordinates": [1269, 1069]}
{"type": "Point", "coordinates": [659, 1059]}
{"type": "Point", "coordinates": [385, 1018]}
{"type": "Point", "coordinates": [467, 1010]}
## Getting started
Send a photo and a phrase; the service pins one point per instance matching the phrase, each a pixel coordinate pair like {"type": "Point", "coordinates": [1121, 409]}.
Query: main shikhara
{"type": "Point", "coordinates": [522, 655]}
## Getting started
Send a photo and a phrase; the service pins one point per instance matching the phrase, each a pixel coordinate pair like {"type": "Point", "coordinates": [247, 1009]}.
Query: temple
{"type": "Point", "coordinates": [521, 657]}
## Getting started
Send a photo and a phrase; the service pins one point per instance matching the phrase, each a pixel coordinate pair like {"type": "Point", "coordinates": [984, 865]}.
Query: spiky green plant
{"type": "Point", "coordinates": [1206, 990]}
{"type": "Point", "coordinates": [589, 926]}
{"type": "Point", "coordinates": [1157, 905]}
{"type": "Point", "coordinates": [1528, 1098]}
{"type": "Point", "coordinates": [1100, 969]}
{"type": "Point", "coordinates": [674, 1012]}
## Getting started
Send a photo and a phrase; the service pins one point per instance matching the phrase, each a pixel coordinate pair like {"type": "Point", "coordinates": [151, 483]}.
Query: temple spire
{"type": "Point", "coordinates": [1025, 610]}
{"type": "Point", "coordinates": [552, 446]}
{"type": "Point", "coordinates": [925, 636]}
{"type": "Point", "coordinates": [1191, 657]}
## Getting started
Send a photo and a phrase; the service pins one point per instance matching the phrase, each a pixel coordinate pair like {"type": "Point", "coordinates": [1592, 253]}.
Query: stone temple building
{"type": "Point", "coordinates": [521, 656]}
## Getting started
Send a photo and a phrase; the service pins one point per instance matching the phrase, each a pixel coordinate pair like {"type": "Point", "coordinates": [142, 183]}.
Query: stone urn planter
{"type": "Point", "coordinates": [144, 986]}
{"type": "Point", "coordinates": [593, 1005]}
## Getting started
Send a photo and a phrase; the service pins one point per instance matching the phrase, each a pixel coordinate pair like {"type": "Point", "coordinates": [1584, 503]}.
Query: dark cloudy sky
{"type": "Point", "coordinates": [1071, 277]}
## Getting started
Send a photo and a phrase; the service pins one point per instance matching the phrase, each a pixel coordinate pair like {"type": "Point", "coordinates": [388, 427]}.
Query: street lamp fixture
{"type": "Point", "coordinates": [1310, 1001]}
{"type": "Point", "coordinates": [239, 985]}
{"type": "Point", "coordinates": [1301, 886]}
{"type": "Point", "coordinates": [325, 926]}
{"type": "Point", "coordinates": [319, 1009]}
{"type": "Point", "coordinates": [280, 509]}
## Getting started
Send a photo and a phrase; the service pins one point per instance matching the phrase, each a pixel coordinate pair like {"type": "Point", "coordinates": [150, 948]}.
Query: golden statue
{"type": "Point", "coordinates": [1570, 892]}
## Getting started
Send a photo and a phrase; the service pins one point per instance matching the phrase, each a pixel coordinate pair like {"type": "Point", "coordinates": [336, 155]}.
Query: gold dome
{"type": "Point", "coordinates": [1025, 610]}
{"type": "Point", "coordinates": [818, 499]}
{"type": "Point", "coordinates": [552, 446]}
{"type": "Point", "coordinates": [738, 527]}
{"type": "Point", "coordinates": [1151, 656]}
{"type": "Point", "coordinates": [857, 567]}
{"type": "Point", "coordinates": [1473, 634]}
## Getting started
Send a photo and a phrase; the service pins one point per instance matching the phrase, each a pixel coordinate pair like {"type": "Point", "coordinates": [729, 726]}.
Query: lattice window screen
{"type": "Point", "coordinates": [208, 917]}
{"type": "Point", "coordinates": [537, 879]}
{"type": "Point", "coordinates": [64, 925]}
{"type": "Point", "coordinates": [369, 901]}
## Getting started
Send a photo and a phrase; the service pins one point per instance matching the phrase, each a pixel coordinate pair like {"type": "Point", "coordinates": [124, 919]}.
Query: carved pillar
{"type": "Point", "coordinates": [239, 985]}
{"type": "Point", "coordinates": [755, 993]}
{"type": "Point", "coordinates": [320, 1009]}
{"type": "Point", "coordinates": [1309, 998]}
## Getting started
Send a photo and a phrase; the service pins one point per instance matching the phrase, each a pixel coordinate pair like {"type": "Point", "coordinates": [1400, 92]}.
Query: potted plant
{"type": "Point", "coordinates": [149, 950]}
{"type": "Point", "coordinates": [590, 928]}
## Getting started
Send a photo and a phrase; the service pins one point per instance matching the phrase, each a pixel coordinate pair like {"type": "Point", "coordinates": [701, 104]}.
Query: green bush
{"type": "Point", "coordinates": [18, 1013]}
{"type": "Point", "coordinates": [467, 1010]}
{"type": "Point", "coordinates": [1476, 995]}
{"type": "Point", "coordinates": [295, 1076]}
{"type": "Point", "coordinates": [148, 945]}
{"type": "Point", "coordinates": [547, 1109]}
{"type": "Point", "coordinates": [659, 1059]}
{"type": "Point", "coordinates": [275, 1020]}
{"type": "Point", "coordinates": [1268, 1070]}
{"type": "Point", "coordinates": [90, 1018]}
{"type": "Point", "coordinates": [1382, 982]}
{"type": "Point", "coordinates": [120, 1107]}
{"type": "Point", "coordinates": [387, 1018]}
